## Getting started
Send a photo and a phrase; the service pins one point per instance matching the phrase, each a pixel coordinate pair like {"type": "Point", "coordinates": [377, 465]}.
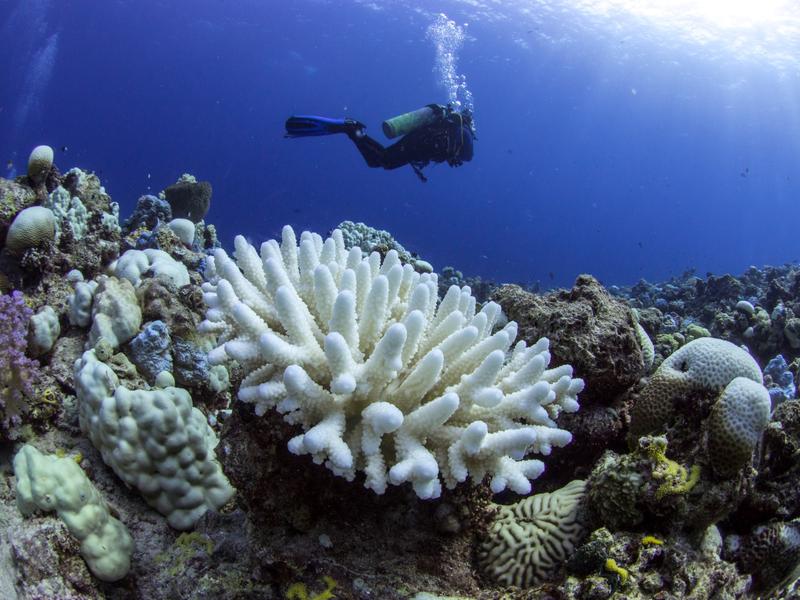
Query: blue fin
{"type": "Point", "coordinates": [309, 125]}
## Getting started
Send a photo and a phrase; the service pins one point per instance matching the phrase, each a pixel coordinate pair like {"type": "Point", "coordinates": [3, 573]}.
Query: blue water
{"type": "Point", "coordinates": [621, 143]}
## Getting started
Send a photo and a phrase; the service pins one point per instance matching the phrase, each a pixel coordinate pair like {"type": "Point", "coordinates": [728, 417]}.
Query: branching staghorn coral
{"type": "Point", "coordinates": [381, 376]}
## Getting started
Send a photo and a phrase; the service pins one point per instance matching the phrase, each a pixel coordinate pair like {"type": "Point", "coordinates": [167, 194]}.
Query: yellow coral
{"type": "Point", "coordinates": [298, 591]}
{"type": "Point", "coordinates": [611, 565]}
{"type": "Point", "coordinates": [61, 453]}
{"type": "Point", "coordinates": [188, 545]}
{"type": "Point", "coordinates": [677, 480]}
{"type": "Point", "coordinates": [49, 396]}
{"type": "Point", "coordinates": [650, 540]}
{"type": "Point", "coordinates": [189, 542]}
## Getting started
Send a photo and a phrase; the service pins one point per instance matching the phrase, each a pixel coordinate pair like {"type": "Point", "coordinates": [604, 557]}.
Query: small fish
{"type": "Point", "coordinates": [639, 244]}
{"type": "Point", "coordinates": [64, 148]}
{"type": "Point", "coordinates": [745, 173]}
{"type": "Point", "coordinates": [551, 275]}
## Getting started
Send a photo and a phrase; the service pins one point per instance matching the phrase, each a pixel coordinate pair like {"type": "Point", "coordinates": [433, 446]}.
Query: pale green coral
{"type": "Point", "coordinates": [694, 332]}
{"type": "Point", "coordinates": [69, 212]}
{"type": "Point", "coordinates": [52, 483]}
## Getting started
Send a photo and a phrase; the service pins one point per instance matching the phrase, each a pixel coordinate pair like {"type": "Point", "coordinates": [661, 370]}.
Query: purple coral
{"type": "Point", "coordinates": [17, 371]}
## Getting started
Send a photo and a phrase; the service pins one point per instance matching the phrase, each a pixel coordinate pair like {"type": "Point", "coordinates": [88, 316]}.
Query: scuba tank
{"type": "Point", "coordinates": [408, 122]}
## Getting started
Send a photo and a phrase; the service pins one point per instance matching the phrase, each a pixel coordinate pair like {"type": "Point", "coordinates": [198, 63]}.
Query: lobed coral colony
{"type": "Point", "coordinates": [325, 416]}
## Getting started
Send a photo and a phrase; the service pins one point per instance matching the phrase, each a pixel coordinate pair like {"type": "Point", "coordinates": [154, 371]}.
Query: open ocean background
{"type": "Point", "coordinates": [623, 138]}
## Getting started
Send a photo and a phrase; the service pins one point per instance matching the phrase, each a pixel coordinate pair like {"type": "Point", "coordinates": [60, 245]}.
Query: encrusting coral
{"type": "Point", "coordinates": [356, 350]}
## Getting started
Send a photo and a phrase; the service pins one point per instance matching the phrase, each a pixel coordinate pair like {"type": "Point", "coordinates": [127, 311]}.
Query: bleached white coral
{"type": "Point", "coordinates": [382, 377]}
{"type": "Point", "coordinates": [135, 263]}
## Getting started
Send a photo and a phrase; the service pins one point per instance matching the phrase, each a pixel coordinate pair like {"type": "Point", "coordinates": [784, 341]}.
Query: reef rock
{"type": "Point", "coordinates": [588, 329]}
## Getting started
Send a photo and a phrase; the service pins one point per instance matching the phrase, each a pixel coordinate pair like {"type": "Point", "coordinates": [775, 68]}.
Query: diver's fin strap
{"type": "Point", "coordinates": [417, 166]}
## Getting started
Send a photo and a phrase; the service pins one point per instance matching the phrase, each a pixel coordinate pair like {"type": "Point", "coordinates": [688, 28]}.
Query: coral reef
{"type": "Point", "coordinates": [705, 365]}
{"type": "Point", "coordinates": [758, 309]}
{"type": "Point", "coordinates": [159, 360]}
{"type": "Point", "coordinates": [771, 553]}
{"type": "Point", "coordinates": [597, 335]}
{"type": "Point", "coordinates": [149, 213]}
{"type": "Point", "coordinates": [481, 289]}
{"type": "Point", "coordinates": [32, 227]}
{"type": "Point", "coordinates": [631, 565]}
{"type": "Point", "coordinates": [39, 164]}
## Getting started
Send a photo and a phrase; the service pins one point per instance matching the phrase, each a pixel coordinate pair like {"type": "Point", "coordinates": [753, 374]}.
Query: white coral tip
{"type": "Point", "coordinates": [217, 356]}
{"type": "Point", "coordinates": [295, 445]}
{"type": "Point", "coordinates": [343, 384]}
{"type": "Point", "coordinates": [473, 436]}
{"type": "Point", "coordinates": [489, 397]}
{"type": "Point", "coordinates": [295, 378]}
{"type": "Point", "coordinates": [383, 417]}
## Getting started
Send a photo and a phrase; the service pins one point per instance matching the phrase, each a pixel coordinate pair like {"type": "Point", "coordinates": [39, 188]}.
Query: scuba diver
{"type": "Point", "coordinates": [433, 133]}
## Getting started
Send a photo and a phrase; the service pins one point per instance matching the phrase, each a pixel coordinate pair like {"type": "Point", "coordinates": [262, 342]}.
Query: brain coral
{"type": "Point", "coordinates": [703, 364]}
{"type": "Point", "coordinates": [381, 376]}
{"type": "Point", "coordinates": [39, 163]}
{"type": "Point", "coordinates": [31, 227]}
{"type": "Point", "coordinates": [529, 540]}
{"type": "Point", "coordinates": [737, 421]}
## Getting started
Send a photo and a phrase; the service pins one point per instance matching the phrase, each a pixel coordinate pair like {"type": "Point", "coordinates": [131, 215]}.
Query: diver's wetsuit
{"type": "Point", "coordinates": [447, 139]}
